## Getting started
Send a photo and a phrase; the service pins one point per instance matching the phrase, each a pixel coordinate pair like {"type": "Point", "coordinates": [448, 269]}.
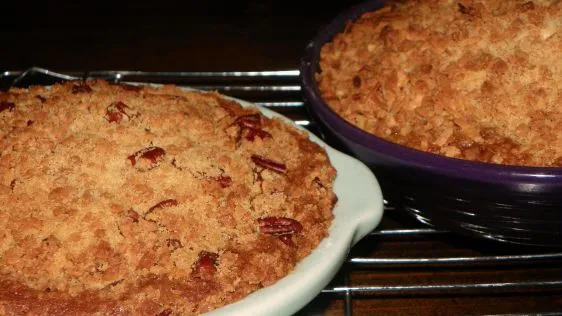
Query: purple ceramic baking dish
{"type": "Point", "coordinates": [521, 205]}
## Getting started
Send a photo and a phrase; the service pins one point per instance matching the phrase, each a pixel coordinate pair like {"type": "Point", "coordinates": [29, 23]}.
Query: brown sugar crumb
{"type": "Point", "coordinates": [475, 80]}
{"type": "Point", "coordinates": [146, 201]}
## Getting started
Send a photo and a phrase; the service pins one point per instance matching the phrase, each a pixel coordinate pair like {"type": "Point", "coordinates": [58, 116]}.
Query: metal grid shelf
{"type": "Point", "coordinates": [403, 260]}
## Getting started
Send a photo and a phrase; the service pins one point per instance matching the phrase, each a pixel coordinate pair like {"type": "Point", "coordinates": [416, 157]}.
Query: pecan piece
{"type": "Point", "coordinates": [5, 105]}
{"type": "Point", "coordinates": [162, 204]}
{"type": "Point", "coordinates": [249, 121]}
{"type": "Point", "coordinates": [253, 132]}
{"type": "Point", "coordinates": [279, 226]}
{"type": "Point", "coordinates": [81, 87]}
{"type": "Point", "coordinates": [153, 155]}
{"type": "Point", "coordinates": [205, 266]}
{"type": "Point", "coordinates": [269, 164]}
{"type": "Point", "coordinates": [113, 117]}
{"type": "Point", "coordinates": [166, 312]}
{"type": "Point", "coordinates": [134, 216]}
{"type": "Point", "coordinates": [251, 124]}
{"type": "Point", "coordinates": [115, 112]}
{"type": "Point", "coordinates": [224, 181]}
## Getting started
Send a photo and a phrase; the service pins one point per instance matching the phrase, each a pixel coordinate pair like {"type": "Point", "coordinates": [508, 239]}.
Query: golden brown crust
{"type": "Point", "coordinates": [119, 200]}
{"type": "Point", "coordinates": [470, 79]}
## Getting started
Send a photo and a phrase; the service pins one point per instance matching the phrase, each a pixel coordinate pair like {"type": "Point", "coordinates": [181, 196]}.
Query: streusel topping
{"type": "Point", "coordinates": [471, 79]}
{"type": "Point", "coordinates": [118, 199]}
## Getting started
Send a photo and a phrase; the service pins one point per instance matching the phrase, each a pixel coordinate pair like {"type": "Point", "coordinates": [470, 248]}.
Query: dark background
{"type": "Point", "coordinates": [160, 35]}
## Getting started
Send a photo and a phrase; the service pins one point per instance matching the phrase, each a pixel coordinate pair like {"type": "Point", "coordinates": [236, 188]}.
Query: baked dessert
{"type": "Point", "coordinates": [470, 79]}
{"type": "Point", "coordinates": [129, 200]}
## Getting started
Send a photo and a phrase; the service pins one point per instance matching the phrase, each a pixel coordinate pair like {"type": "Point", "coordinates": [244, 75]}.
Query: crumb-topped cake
{"type": "Point", "coordinates": [470, 79]}
{"type": "Point", "coordinates": [128, 200]}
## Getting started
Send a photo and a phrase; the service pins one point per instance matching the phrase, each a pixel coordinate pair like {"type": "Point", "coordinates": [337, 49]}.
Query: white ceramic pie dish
{"type": "Point", "coordinates": [358, 211]}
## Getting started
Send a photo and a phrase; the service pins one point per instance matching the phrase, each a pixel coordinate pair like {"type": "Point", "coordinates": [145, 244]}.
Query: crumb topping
{"type": "Point", "coordinates": [470, 79]}
{"type": "Point", "coordinates": [118, 199]}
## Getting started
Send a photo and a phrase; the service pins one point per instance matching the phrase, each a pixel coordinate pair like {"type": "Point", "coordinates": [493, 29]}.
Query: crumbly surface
{"type": "Point", "coordinates": [121, 200]}
{"type": "Point", "coordinates": [470, 79]}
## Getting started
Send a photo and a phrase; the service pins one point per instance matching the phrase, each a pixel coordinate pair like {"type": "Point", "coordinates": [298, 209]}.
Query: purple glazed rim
{"type": "Point", "coordinates": [452, 167]}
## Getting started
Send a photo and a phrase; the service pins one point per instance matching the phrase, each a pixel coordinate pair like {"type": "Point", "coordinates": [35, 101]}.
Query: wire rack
{"type": "Point", "coordinates": [403, 267]}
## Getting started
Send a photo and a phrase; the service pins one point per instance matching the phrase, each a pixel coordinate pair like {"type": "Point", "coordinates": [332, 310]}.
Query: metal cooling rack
{"type": "Point", "coordinates": [403, 260]}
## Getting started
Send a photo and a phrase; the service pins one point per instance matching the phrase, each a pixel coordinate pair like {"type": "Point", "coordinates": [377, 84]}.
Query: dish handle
{"type": "Point", "coordinates": [363, 200]}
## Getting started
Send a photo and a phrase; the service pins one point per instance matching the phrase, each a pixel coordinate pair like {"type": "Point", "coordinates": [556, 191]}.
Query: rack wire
{"type": "Point", "coordinates": [402, 259]}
